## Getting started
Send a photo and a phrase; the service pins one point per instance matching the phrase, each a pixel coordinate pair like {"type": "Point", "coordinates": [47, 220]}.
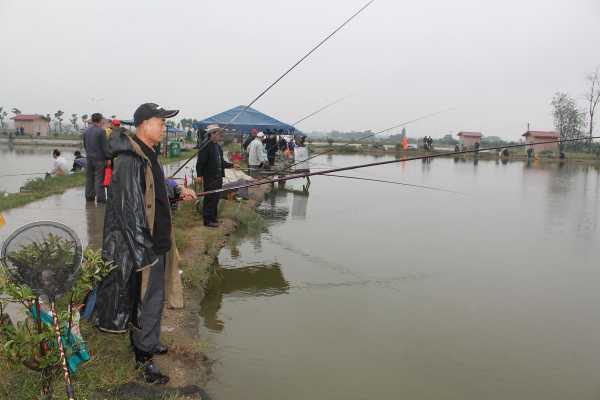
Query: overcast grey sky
{"type": "Point", "coordinates": [498, 62]}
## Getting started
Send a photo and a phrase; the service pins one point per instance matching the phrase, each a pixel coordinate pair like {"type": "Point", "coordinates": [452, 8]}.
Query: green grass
{"type": "Point", "coordinates": [40, 188]}
{"type": "Point", "coordinates": [243, 214]}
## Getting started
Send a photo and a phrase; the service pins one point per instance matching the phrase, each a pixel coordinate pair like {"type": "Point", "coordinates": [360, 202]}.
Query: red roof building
{"type": "Point", "coordinates": [469, 139]}
{"type": "Point", "coordinates": [32, 124]}
{"type": "Point", "coordinates": [542, 136]}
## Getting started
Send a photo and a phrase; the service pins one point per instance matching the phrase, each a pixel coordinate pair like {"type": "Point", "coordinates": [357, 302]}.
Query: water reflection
{"type": "Point", "coordinates": [276, 207]}
{"type": "Point", "coordinates": [21, 163]}
{"type": "Point", "coordinates": [239, 282]}
{"type": "Point", "coordinates": [94, 215]}
{"type": "Point", "coordinates": [299, 204]}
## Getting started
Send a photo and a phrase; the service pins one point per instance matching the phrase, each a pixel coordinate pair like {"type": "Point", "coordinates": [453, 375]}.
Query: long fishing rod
{"type": "Point", "coordinates": [261, 94]}
{"type": "Point", "coordinates": [312, 114]}
{"type": "Point", "coordinates": [363, 138]}
{"type": "Point", "coordinates": [360, 178]}
{"type": "Point", "coordinates": [378, 180]}
{"type": "Point", "coordinates": [24, 174]}
{"type": "Point", "coordinates": [359, 166]}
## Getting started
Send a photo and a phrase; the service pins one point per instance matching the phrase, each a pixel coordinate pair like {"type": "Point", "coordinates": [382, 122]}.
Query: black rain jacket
{"type": "Point", "coordinates": [127, 239]}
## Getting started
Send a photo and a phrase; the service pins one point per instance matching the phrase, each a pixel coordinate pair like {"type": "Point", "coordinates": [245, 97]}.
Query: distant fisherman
{"type": "Point", "coordinates": [210, 169]}
{"type": "Point", "coordinates": [257, 155]}
{"type": "Point", "coordinates": [59, 165]}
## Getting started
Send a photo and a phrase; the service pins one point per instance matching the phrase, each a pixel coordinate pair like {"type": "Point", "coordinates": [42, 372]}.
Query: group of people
{"type": "Point", "coordinates": [99, 156]}
{"type": "Point", "coordinates": [138, 236]}
{"type": "Point", "coordinates": [428, 143]}
{"type": "Point", "coordinates": [95, 162]}
{"type": "Point", "coordinates": [261, 149]}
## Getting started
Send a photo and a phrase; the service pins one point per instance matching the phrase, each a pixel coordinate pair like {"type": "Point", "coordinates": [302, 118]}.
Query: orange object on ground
{"type": "Point", "coordinates": [405, 143]}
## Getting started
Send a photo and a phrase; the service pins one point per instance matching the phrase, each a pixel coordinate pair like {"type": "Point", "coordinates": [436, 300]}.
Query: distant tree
{"type": "Point", "coordinates": [330, 141]}
{"type": "Point", "coordinates": [59, 117]}
{"type": "Point", "coordinates": [568, 119]}
{"type": "Point", "coordinates": [593, 98]}
{"type": "Point", "coordinates": [16, 111]}
{"type": "Point", "coordinates": [403, 133]}
{"type": "Point", "coordinates": [113, 116]}
{"type": "Point", "coordinates": [84, 119]}
{"type": "Point", "coordinates": [49, 119]}
{"type": "Point", "coordinates": [3, 114]}
{"type": "Point", "coordinates": [74, 119]}
{"type": "Point", "coordinates": [448, 139]}
{"type": "Point", "coordinates": [170, 124]}
{"type": "Point", "coordinates": [179, 126]}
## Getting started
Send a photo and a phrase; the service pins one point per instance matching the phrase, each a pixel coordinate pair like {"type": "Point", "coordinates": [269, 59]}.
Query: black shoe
{"type": "Point", "coordinates": [152, 373]}
{"type": "Point", "coordinates": [160, 349]}
{"type": "Point", "coordinates": [211, 224]}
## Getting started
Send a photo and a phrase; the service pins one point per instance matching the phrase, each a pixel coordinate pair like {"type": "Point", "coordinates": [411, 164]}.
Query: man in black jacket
{"type": "Point", "coordinates": [137, 237]}
{"type": "Point", "coordinates": [210, 169]}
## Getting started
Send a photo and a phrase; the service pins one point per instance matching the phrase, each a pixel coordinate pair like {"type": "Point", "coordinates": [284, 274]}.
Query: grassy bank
{"type": "Point", "coordinates": [109, 374]}
{"type": "Point", "coordinates": [40, 188]}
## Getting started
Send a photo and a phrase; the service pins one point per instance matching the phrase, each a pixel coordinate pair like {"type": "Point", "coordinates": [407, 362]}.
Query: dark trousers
{"type": "Point", "coordinates": [145, 333]}
{"type": "Point", "coordinates": [210, 205]}
{"type": "Point", "coordinates": [94, 179]}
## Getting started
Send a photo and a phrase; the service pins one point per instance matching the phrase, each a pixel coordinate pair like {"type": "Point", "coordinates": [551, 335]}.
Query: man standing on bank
{"type": "Point", "coordinates": [96, 150]}
{"type": "Point", "coordinates": [210, 170]}
{"type": "Point", "coordinates": [137, 238]}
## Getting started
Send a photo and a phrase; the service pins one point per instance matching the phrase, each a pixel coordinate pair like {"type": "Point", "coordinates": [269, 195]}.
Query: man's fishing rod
{"type": "Point", "coordinates": [24, 174]}
{"type": "Point", "coordinates": [359, 166]}
{"type": "Point", "coordinates": [261, 94]}
{"type": "Point", "coordinates": [312, 114]}
{"type": "Point", "coordinates": [360, 178]}
{"type": "Point", "coordinates": [363, 138]}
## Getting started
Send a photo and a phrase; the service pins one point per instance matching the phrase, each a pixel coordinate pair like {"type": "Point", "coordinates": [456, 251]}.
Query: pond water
{"type": "Point", "coordinates": [21, 163]}
{"type": "Point", "coordinates": [363, 290]}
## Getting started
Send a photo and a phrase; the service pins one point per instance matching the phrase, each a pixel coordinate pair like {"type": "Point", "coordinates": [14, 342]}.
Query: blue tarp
{"type": "Point", "coordinates": [246, 121]}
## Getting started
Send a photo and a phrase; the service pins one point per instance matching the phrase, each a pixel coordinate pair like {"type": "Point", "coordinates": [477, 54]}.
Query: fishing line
{"type": "Point", "coordinates": [23, 174]}
{"type": "Point", "coordinates": [312, 114]}
{"type": "Point", "coordinates": [394, 183]}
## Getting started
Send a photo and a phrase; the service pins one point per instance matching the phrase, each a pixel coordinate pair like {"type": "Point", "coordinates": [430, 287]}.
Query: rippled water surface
{"type": "Point", "coordinates": [363, 290]}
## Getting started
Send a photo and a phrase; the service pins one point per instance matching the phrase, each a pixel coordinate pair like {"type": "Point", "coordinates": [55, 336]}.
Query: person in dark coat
{"type": "Point", "coordinates": [137, 237]}
{"type": "Point", "coordinates": [210, 170]}
{"type": "Point", "coordinates": [96, 150]}
{"type": "Point", "coordinates": [271, 146]}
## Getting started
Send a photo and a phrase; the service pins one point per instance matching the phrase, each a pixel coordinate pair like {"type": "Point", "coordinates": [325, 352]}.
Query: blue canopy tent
{"type": "Point", "coordinates": [246, 121]}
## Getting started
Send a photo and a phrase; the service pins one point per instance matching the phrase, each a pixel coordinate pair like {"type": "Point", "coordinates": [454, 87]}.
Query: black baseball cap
{"type": "Point", "coordinates": [151, 110]}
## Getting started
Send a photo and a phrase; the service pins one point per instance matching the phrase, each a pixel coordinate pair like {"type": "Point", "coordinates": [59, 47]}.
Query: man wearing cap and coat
{"type": "Point", "coordinates": [210, 170]}
{"type": "Point", "coordinates": [138, 241]}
